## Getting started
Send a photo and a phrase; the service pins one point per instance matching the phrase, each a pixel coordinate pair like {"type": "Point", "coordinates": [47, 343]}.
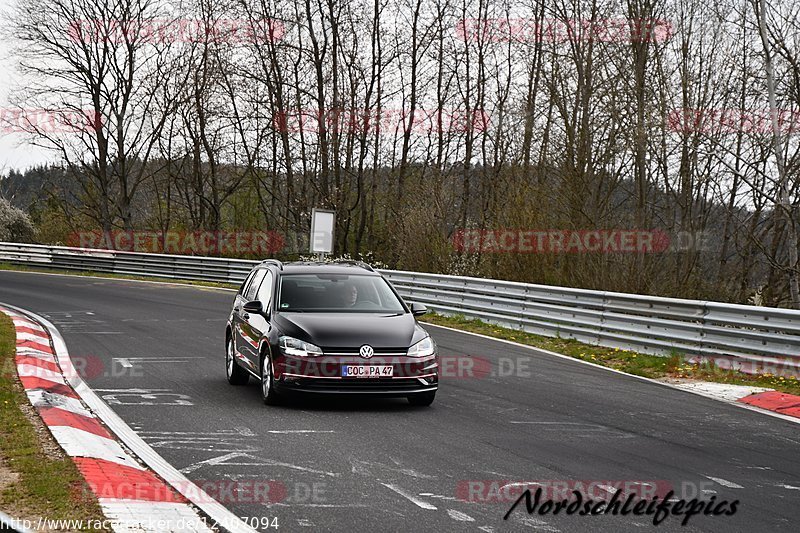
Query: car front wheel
{"type": "Point", "coordinates": [268, 393]}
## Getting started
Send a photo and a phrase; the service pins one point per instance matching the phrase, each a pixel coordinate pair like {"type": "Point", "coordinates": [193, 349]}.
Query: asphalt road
{"type": "Point", "coordinates": [155, 353]}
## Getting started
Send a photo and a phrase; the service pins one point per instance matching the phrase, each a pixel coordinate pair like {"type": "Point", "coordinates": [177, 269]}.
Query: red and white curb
{"type": "Point", "coordinates": [721, 391]}
{"type": "Point", "coordinates": [760, 397]}
{"type": "Point", "coordinates": [131, 496]}
{"type": "Point", "coordinates": [778, 402]}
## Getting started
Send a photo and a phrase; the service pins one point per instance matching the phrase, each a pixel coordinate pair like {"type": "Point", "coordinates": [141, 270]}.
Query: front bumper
{"type": "Point", "coordinates": [323, 375]}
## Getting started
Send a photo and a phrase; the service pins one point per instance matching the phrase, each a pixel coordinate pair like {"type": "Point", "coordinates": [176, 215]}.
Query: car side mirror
{"type": "Point", "coordinates": [418, 309]}
{"type": "Point", "coordinates": [253, 306]}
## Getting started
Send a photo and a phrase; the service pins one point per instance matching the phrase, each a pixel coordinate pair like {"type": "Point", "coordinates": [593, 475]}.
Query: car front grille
{"type": "Point", "coordinates": [353, 352]}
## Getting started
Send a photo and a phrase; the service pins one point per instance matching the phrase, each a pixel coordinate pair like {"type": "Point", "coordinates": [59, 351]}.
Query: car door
{"type": "Point", "coordinates": [236, 312]}
{"type": "Point", "coordinates": [256, 326]}
{"type": "Point", "coordinates": [245, 340]}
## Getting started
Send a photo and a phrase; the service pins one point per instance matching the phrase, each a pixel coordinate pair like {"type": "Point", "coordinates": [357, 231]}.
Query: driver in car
{"type": "Point", "coordinates": [350, 295]}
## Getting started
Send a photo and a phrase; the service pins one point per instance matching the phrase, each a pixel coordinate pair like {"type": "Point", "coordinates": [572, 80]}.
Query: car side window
{"type": "Point", "coordinates": [246, 282]}
{"type": "Point", "coordinates": [250, 292]}
{"type": "Point", "coordinates": [265, 290]}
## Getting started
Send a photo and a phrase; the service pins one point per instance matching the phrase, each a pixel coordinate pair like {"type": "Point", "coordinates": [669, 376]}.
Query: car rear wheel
{"type": "Point", "coordinates": [236, 374]}
{"type": "Point", "coordinates": [422, 399]}
{"type": "Point", "coordinates": [268, 393]}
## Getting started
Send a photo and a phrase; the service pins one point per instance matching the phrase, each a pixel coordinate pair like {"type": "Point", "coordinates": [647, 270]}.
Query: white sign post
{"type": "Point", "coordinates": [323, 222]}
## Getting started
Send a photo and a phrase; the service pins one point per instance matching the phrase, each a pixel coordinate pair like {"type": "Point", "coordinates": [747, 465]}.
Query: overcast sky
{"type": "Point", "coordinates": [14, 152]}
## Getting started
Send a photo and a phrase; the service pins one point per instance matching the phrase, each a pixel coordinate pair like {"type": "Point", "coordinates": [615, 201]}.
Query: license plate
{"type": "Point", "coordinates": [367, 371]}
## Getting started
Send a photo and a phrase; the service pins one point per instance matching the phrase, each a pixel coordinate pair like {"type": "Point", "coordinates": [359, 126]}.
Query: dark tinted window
{"type": "Point", "coordinates": [337, 293]}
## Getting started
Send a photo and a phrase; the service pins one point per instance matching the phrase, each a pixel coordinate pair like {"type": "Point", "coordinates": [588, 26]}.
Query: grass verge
{"type": "Point", "coordinates": [650, 366]}
{"type": "Point", "coordinates": [46, 485]}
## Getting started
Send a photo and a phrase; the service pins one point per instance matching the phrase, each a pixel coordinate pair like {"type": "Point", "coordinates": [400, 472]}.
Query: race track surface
{"type": "Point", "coordinates": [155, 353]}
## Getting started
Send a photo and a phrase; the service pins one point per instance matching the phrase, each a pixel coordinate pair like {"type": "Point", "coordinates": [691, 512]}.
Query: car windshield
{"type": "Point", "coordinates": [323, 293]}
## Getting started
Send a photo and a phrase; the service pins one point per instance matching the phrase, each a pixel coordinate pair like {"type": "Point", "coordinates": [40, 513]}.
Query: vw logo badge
{"type": "Point", "coordinates": [366, 351]}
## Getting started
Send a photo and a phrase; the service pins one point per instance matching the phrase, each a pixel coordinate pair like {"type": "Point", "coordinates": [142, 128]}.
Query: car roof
{"type": "Point", "coordinates": [309, 267]}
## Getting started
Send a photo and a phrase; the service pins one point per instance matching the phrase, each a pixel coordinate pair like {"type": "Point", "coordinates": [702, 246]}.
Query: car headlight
{"type": "Point", "coordinates": [298, 348]}
{"type": "Point", "coordinates": [423, 348]}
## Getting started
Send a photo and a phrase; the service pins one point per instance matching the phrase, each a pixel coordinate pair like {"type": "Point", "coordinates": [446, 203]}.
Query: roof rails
{"type": "Point", "coordinates": [273, 262]}
{"type": "Point", "coordinates": [362, 264]}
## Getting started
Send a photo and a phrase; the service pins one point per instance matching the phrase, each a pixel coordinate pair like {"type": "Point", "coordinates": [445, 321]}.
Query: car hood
{"type": "Point", "coordinates": [351, 330]}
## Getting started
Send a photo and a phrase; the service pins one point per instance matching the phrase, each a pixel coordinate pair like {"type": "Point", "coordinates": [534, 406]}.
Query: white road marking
{"type": "Point", "coordinates": [238, 432]}
{"type": "Point", "coordinates": [367, 467]}
{"type": "Point", "coordinates": [213, 444]}
{"type": "Point", "coordinates": [790, 487]}
{"type": "Point", "coordinates": [459, 516]}
{"type": "Point", "coordinates": [432, 495]}
{"type": "Point", "coordinates": [537, 523]}
{"type": "Point", "coordinates": [487, 529]}
{"type": "Point", "coordinates": [123, 362]}
{"type": "Point", "coordinates": [144, 397]}
{"type": "Point", "coordinates": [304, 522]}
{"type": "Point", "coordinates": [724, 482]}
{"type": "Point", "coordinates": [254, 461]}
{"type": "Point", "coordinates": [608, 488]}
{"type": "Point", "coordinates": [213, 461]}
{"type": "Point", "coordinates": [410, 497]}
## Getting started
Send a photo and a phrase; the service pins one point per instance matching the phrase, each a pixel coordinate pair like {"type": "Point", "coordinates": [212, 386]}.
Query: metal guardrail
{"type": "Point", "coordinates": [763, 336]}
